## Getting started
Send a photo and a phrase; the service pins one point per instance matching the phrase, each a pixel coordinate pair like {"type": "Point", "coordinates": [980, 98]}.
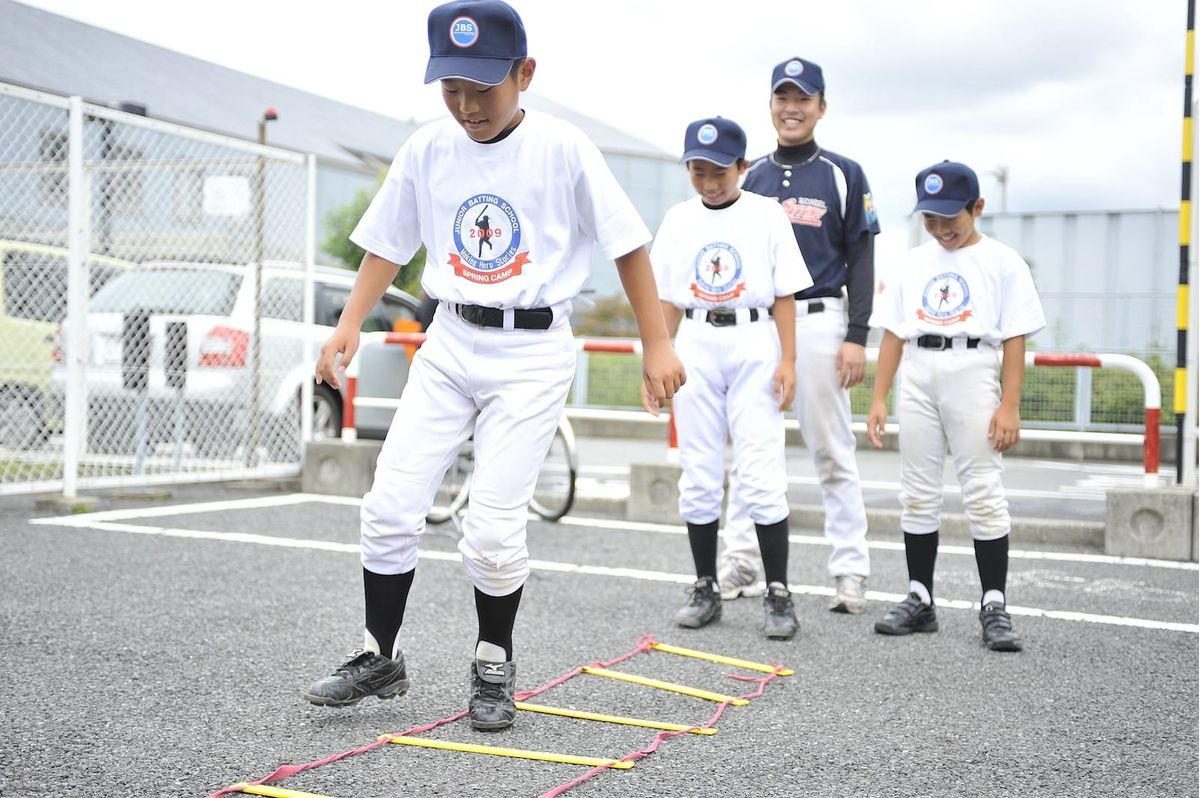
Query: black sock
{"type": "Point", "coordinates": [497, 614]}
{"type": "Point", "coordinates": [921, 553]}
{"type": "Point", "coordinates": [992, 558]}
{"type": "Point", "coordinates": [703, 538]}
{"type": "Point", "coordinates": [386, 596]}
{"type": "Point", "coordinates": [773, 543]}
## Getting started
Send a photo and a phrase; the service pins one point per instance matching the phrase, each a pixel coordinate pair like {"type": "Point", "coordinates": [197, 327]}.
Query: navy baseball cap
{"type": "Point", "coordinates": [804, 74]}
{"type": "Point", "coordinates": [945, 189]}
{"type": "Point", "coordinates": [719, 140]}
{"type": "Point", "coordinates": [477, 40]}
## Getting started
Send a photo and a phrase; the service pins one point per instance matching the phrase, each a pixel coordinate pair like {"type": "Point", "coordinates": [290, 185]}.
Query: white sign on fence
{"type": "Point", "coordinates": [226, 196]}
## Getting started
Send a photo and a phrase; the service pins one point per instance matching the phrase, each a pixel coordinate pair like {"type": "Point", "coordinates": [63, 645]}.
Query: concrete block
{"type": "Point", "coordinates": [340, 469]}
{"type": "Point", "coordinates": [1151, 522]}
{"type": "Point", "coordinates": [653, 493]}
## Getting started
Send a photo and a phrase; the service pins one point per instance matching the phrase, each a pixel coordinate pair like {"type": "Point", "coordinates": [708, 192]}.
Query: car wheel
{"type": "Point", "coordinates": [327, 413]}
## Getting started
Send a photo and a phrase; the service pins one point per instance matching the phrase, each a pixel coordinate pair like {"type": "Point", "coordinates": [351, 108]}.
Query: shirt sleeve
{"type": "Point", "coordinates": [790, 271]}
{"type": "Point", "coordinates": [1020, 307]}
{"type": "Point", "coordinates": [888, 308]}
{"type": "Point", "coordinates": [606, 215]}
{"type": "Point", "coordinates": [861, 215]}
{"type": "Point", "coordinates": [391, 227]}
{"type": "Point", "coordinates": [661, 257]}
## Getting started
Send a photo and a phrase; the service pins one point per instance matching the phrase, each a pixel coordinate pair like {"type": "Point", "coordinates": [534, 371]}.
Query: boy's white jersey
{"type": "Point", "coordinates": [740, 256]}
{"type": "Point", "coordinates": [505, 225]}
{"type": "Point", "coordinates": [981, 291]}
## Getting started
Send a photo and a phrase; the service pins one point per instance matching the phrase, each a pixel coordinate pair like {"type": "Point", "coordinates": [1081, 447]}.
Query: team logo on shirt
{"type": "Point", "coordinates": [869, 208]}
{"type": "Point", "coordinates": [944, 299]}
{"type": "Point", "coordinates": [718, 271]}
{"type": "Point", "coordinates": [807, 211]}
{"type": "Point", "coordinates": [464, 32]}
{"type": "Point", "coordinates": [487, 235]}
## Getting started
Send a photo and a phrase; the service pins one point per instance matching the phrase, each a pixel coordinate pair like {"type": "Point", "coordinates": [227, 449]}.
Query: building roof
{"type": "Point", "coordinates": [191, 91]}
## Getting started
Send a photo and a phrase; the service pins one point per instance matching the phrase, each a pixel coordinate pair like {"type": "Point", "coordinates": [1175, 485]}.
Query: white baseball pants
{"type": "Point", "coordinates": [730, 394]}
{"type": "Point", "coordinates": [822, 407]}
{"type": "Point", "coordinates": [508, 388]}
{"type": "Point", "coordinates": [947, 398]}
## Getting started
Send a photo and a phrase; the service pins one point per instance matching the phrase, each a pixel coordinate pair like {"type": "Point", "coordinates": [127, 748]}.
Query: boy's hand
{"type": "Point", "coordinates": [875, 423]}
{"type": "Point", "coordinates": [851, 364]}
{"type": "Point", "coordinates": [662, 375]}
{"type": "Point", "coordinates": [1004, 430]}
{"type": "Point", "coordinates": [344, 342]}
{"type": "Point", "coordinates": [785, 383]}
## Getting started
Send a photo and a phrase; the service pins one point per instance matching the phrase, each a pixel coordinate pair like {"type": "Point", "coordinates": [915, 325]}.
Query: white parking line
{"type": "Point", "coordinates": [110, 521]}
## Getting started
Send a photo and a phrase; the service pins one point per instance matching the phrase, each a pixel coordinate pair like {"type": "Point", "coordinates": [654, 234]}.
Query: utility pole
{"type": "Point", "coordinates": [251, 459]}
{"type": "Point", "coordinates": [1001, 175]}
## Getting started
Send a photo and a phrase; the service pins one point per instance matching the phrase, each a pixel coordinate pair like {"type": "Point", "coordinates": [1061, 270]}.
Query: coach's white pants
{"type": "Point", "coordinates": [822, 407]}
{"type": "Point", "coordinates": [947, 398]}
{"type": "Point", "coordinates": [509, 388]}
{"type": "Point", "coordinates": [730, 393]}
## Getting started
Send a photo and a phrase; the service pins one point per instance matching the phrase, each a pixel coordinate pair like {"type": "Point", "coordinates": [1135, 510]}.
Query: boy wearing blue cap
{"type": "Point", "coordinates": [508, 203]}
{"type": "Point", "coordinates": [727, 265]}
{"type": "Point", "coordinates": [952, 308]}
{"type": "Point", "coordinates": [833, 219]}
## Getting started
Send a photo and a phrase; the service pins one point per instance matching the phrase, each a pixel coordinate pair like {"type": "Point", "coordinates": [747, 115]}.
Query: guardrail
{"type": "Point", "coordinates": [1152, 392]}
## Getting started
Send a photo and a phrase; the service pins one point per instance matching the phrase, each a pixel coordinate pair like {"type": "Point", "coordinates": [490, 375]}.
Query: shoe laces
{"type": "Point", "coordinates": [702, 593]}
{"type": "Point", "coordinates": [355, 662]}
{"type": "Point", "coordinates": [494, 692]}
{"type": "Point", "coordinates": [778, 604]}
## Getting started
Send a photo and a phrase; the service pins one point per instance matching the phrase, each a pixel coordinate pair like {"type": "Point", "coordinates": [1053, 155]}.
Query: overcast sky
{"type": "Point", "coordinates": [1080, 99]}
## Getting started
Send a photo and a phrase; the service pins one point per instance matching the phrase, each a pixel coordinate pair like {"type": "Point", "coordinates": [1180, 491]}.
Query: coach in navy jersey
{"type": "Point", "coordinates": [827, 198]}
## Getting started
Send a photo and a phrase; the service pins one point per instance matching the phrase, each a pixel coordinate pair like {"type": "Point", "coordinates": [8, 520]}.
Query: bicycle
{"type": "Point", "coordinates": [553, 496]}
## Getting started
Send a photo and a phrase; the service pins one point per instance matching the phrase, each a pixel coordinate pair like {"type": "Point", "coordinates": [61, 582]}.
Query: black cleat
{"type": "Point", "coordinates": [703, 607]}
{"type": "Point", "coordinates": [779, 614]}
{"type": "Point", "coordinates": [998, 632]}
{"type": "Point", "coordinates": [364, 674]}
{"type": "Point", "coordinates": [910, 615]}
{"type": "Point", "coordinates": [492, 686]}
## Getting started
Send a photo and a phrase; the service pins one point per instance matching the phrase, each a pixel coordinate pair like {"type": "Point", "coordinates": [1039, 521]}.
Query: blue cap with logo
{"type": "Point", "coordinates": [946, 188]}
{"type": "Point", "coordinates": [476, 40]}
{"type": "Point", "coordinates": [804, 74]}
{"type": "Point", "coordinates": [719, 140]}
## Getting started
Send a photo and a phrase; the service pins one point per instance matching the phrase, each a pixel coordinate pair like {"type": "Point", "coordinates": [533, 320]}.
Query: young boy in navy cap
{"type": "Point", "coordinates": [952, 308]}
{"type": "Point", "coordinates": [833, 219]}
{"type": "Point", "coordinates": [726, 262]}
{"type": "Point", "coordinates": [508, 203]}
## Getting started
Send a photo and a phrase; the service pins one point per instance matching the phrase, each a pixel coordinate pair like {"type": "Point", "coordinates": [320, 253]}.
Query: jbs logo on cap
{"type": "Point", "coordinates": [707, 134]}
{"type": "Point", "coordinates": [793, 69]}
{"type": "Point", "coordinates": [933, 183]}
{"type": "Point", "coordinates": [464, 31]}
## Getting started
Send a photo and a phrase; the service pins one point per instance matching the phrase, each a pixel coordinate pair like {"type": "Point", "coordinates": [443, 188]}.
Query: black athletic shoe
{"type": "Point", "coordinates": [779, 614]}
{"type": "Point", "coordinates": [703, 607]}
{"type": "Point", "coordinates": [998, 632]}
{"type": "Point", "coordinates": [492, 686]}
{"type": "Point", "coordinates": [365, 673]}
{"type": "Point", "coordinates": [910, 615]}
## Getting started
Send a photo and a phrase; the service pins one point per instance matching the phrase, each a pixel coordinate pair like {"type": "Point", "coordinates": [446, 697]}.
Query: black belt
{"type": "Point", "coordinates": [940, 342]}
{"type": "Point", "coordinates": [530, 319]}
{"type": "Point", "coordinates": [726, 318]}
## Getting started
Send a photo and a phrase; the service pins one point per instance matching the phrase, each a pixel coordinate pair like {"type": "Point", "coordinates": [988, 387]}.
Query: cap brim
{"type": "Point", "coordinates": [941, 207]}
{"type": "Point", "coordinates": [488, 71]}
{"type": "Point", "coordinates": [712, 156]}
{"type": "Point", "coordinates": [807, 88]}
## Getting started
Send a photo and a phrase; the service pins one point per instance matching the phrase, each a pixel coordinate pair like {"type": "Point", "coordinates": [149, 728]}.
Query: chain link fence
{"type": "Point", "coordinates": [173, 347]}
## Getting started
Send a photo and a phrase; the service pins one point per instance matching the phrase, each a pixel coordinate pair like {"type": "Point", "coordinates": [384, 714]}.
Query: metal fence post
{"type": "Point", "coordinates": [1083, 397]}
{"type": "Point", "coordinates": [78, 238]}
{"type": "Point", "coordinates": [309, 307]}
{"type": "Point", "coordinates": [579, 396]}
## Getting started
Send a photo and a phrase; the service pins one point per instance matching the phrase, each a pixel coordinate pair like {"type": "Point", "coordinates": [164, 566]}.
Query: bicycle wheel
{"type": "Point", "coordinates": [451, 495]}
{"type": "Point", "coordinates": [555, 490]}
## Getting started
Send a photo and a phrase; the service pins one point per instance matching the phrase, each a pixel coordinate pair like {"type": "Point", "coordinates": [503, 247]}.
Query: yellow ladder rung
{"type": "Point", "coordinates": [723, 660]}
{"type": "Point", "coordinates": [518, 753]}
{"type": "Point", "coordinates": [674, 688]}
{"type": "Point", "coordinates": [649, 724]}
{"type": "Point", "coordinates": [274, 792]}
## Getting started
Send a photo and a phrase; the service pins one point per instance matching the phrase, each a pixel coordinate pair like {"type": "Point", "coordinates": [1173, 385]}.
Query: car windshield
{"type": "Point", "coordinates": [206, 293]}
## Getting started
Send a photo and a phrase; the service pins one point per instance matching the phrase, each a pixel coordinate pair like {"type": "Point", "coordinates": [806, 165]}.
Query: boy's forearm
{"type": "Point", "coordinates": [375, 274]}
{"type": "Point", "coordinates": [785, 323]}
{"type": "Point", "coordinates": [672, 316]}
{"type": "Point", "coordinates": [1013, 374]}
{"type": "Point", "coordinates": [890, 349]}
{"type": "Point", "coordinates": [637, 279]}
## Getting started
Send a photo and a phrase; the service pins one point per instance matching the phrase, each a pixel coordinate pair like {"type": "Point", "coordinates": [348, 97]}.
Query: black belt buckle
{"type": "Point", "coordinates": [938, 343]}
{"type": "Point", "coordinates": [474, 314]}
{"type": "Point", "coordinates": [722, 318]}
{"type": "Point", "coordinates": [816, 307]}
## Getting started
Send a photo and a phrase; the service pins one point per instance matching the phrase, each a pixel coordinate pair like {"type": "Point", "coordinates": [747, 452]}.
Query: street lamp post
{"type": "Point", "coordinates": [251, 459]}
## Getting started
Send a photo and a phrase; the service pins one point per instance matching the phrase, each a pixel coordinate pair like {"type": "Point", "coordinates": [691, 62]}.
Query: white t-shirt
{"type": "Point", "coordinates": [741, 256]}
{"type": "Point", "coordinates": [982, 291]}
{"type": "Point", "coordinates": [505, 225]}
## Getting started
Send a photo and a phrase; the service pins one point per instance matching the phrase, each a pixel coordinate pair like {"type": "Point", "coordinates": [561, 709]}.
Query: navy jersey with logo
{"type": "Point", "coordinates": [827, 198]}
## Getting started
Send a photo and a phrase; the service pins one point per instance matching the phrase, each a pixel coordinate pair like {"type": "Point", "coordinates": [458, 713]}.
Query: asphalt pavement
{"type": "Point", "coordinates": [159, 648]}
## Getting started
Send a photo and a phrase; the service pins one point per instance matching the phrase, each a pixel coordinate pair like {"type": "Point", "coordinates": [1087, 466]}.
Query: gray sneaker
{"type": "Point", "coordinates": [703, 607]}
{"type": "Point", "coordinates": [850, 594]}
{"type": "Point", "coordinates": [998, 632]}
{"type": "Point", "coordinates": [364, 674]}
{"type": "Point", "coordinates": [492, 706]}
{"type": "Point", "coordinates": [779, 614]}
{"type": "Point", "coordinates": [738, 576]}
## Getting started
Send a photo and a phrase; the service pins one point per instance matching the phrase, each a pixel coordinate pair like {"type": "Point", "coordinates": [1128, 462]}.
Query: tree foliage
{"type": "Point", "coordinates": [340, 223]}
